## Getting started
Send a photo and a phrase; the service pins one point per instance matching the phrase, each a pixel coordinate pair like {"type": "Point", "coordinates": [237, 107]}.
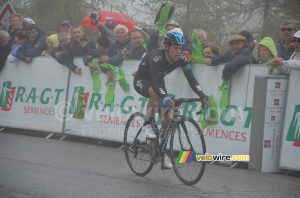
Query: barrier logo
{"type": "Point", "coordinates": [273, 118]}
{"type": "Point", "coordinates": [185, 157]}
{"type": "Point", "coordinates": [294, 128]}
{"type": "Point", "coordinates": [79, 102]}
{"type": "Point", "coordinates": [277, 85]}
{"type": "Point", "coordinates": [276, 101]}
{"type": "Point", "coordinates": [267, 143]}
{"type": "Point", "coordinates": [6, 97]}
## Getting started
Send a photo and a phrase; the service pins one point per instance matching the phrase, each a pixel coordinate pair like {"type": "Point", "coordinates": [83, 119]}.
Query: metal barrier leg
{"type": "Point", "coordinates": [121, 147]}
{"type": "Point", "coordinates": [234, 164]}
{"type": "Point", "coordinates": [212, 162]}
{"type": "Point", "coordinates": [49, 136]}
{"type": "Point", "coordinates": [2, 129]}
{"type": "Point", "coordinates": [63, 137]}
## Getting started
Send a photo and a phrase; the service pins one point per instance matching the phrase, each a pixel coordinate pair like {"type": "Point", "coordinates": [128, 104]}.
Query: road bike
{"type": "Point", "coordinates": [186, 140]}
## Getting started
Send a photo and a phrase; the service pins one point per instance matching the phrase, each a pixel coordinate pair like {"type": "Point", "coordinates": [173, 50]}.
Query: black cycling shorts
{"type": "Point", "coordinates": [142, 85]}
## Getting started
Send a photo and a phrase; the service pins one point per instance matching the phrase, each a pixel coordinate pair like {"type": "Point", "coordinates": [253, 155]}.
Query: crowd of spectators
{"type": "Point", "coordinates": [24, 40]}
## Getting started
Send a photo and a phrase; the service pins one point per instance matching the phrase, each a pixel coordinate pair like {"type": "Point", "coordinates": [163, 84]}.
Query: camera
{"type": "Point", "coordinates": [83, 39]}
{"type": "Point", "coordinates": [93, 16]}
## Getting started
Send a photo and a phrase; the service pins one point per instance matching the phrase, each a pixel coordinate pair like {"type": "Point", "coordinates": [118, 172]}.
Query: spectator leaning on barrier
{"type": "Point", "coordinates": [5, 47]}
{"type": "Point", "coordinates": [237, 57]}
{"type": "Point", "coordinates": [102, 44]}
{"type": "Point", "coordinates": [18, 41]}
{"type": "Point", "coordinates": [139, 48]}
{"type": "Point", "coordinates": [52, 42]}
{"type": "Point", "coordinates": [284, 66]}
{"type": "Point", "coordinates": [266, 50]}
{"type": "Point", "coordinates": [64, 39]}
{"type": "Point", "coordinates": [210, 50]}
{"type": "Point", "coordinates": [253, 58]}
{"type": "Point", "coordinates": [33, 45]}
{"type": "Point", "coordinates": [284, 46]}
{"type": "Point", "coordinates": [78, 47]}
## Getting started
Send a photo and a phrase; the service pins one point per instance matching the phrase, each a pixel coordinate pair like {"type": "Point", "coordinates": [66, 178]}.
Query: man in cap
{"type": "Point", "coordinates": [284, 66]}
{"type": "Point", "coordinates": [66, 27]}
{"type": "Point", "coordinates": [110, 25]}
{"type": "Point", "coordinates": [237, 57]}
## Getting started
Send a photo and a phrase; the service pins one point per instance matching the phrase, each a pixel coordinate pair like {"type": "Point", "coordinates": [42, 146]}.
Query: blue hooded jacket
{"type": "Point", "coordinates": [32, 49]}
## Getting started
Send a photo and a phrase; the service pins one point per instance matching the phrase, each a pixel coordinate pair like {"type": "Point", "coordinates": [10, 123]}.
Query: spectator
{"type": "Point", "coordinates": [102, 44]}
{"type": "Point", "coordinates": [284, 66]}
{"type": "Point", "coordinates": [110, 25]}
{"type": "Point", "coordinates": [104, 29]}
{"type": "Point", "coordinates": [139, 48]}
{"type": "Point", "coordinates": [15, 25]}
{"type": "Point", "coordinates": [18, 41]}
{"type": "Point", "coordinates": [253, 58]}
{"type": "Point", "coordinates": [210, 50]}
{"type": "Point", "coordinates": [266, 50]}
{"type": "Point", "coordinates": [64, 39]}
{"type": "Point", "coordinates": [5, 47]}
{"type": "Point", "coordinates": [33, 45]}
{"type": "Point", "coordinates": [52, 42]}
{"type": "Point", "coordinates": [78, 47]}
{"type": "Point", "coordinates": [284, 46]}
{"type": "Point", "coordinates": [65, 27]}
{"type": "Point", "coordinates": [3, 26]}
{"type": "Point", "coordinates": [113, 54]}
{"type": "Point", "coordinates": [235, 58]}
{"type": "Point", "coordinates": [202, 36]}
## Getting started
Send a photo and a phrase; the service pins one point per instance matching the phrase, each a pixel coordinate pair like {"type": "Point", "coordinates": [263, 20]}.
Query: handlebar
{"type": "Point", "coordinates": [180, 101]}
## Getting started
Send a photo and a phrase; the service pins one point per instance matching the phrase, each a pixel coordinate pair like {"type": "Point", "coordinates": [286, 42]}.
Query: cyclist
{"type": "Point", "coordinates": [149, 81]}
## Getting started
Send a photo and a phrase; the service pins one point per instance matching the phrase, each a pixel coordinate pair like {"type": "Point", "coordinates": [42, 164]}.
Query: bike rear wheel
{"type": "Point", "coordinates": [187, 137]}
{"type": "Point", "coordinates": [136, 147]}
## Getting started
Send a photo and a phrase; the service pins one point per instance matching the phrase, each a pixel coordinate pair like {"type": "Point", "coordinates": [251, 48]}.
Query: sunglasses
{"type": "Point", "coordinates": [288, 29]}
{"type": "Point", "coordinates": [296, 40]}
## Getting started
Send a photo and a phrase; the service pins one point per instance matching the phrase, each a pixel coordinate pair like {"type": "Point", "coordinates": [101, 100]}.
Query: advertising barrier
{"type": "Point", "coordinates": [40, 94]}
{"type": "Point", "coordinates": [290, 146]}
{"type": "Point", "coordinates": [226, 130]}
{"type": "Point", "coordinates": [30, 93]}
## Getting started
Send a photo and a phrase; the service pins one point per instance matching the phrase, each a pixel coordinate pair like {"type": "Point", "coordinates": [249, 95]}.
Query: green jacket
{"type": "Point", "coordinates": [269, 43]}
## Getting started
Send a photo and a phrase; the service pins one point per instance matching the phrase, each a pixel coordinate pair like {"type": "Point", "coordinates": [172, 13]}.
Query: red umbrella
{"type": "Point", "coordinates": [117, 17]}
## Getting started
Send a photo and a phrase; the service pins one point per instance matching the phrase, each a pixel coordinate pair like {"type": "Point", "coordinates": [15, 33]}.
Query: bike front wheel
{"type": "Point", "coordinates": [136, 146]}
{"type": "Point", "coordinates": [187, 141]}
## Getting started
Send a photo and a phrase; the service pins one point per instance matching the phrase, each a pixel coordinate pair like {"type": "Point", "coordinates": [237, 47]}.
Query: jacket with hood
{"type": "Point", "coordinates": [268, 43]}
{"type": "Point", "coordinates": [32, 49]}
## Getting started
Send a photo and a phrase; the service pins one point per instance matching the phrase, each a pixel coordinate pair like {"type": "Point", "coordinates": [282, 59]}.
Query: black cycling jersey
{"type": "Point", "coordinates": [154, 67]}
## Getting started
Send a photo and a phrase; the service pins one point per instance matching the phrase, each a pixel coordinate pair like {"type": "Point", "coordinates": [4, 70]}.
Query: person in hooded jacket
{"type": "Point", "coordinates": [34, 44]}
{"type": "Point", "coordinates": [266, 50]}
